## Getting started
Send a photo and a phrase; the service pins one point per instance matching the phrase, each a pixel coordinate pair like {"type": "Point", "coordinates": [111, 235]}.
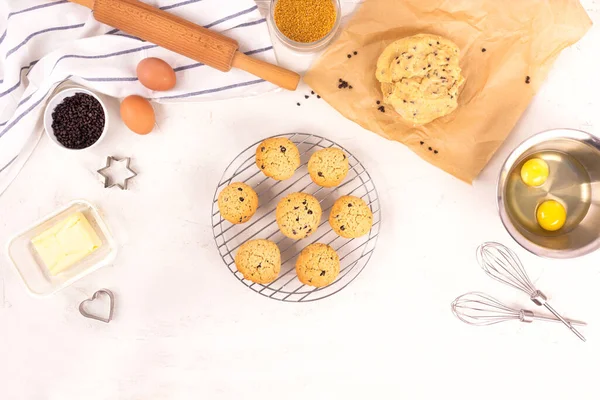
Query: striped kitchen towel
{"type": "Point", "coordinates": [46, 42]}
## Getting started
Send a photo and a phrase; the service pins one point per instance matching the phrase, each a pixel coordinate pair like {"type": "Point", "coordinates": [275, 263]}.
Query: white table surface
{"type": "Point", "coordinates": [185, 328]}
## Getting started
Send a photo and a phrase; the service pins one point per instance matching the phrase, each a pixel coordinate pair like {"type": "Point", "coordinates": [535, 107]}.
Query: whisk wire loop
{"type": "Point", "coordinates": [503, 265]}
{"type": "Point", "coordinates": [476, 308]}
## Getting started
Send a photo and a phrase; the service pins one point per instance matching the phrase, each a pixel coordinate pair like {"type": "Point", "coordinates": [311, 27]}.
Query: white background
{"type": "Point", "coordinates": [185, 328]}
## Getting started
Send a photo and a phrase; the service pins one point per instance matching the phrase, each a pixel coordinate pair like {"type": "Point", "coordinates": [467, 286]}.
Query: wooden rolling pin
{"type": "Point", "coordinates": [183, 37]}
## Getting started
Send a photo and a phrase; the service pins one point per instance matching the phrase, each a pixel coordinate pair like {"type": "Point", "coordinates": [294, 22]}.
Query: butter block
{"type": "Point", "coordinates": [66, 243]}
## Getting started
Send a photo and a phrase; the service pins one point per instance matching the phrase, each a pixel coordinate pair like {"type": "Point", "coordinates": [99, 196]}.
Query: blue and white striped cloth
{"type": "Point", "coordinates": [45, 42]}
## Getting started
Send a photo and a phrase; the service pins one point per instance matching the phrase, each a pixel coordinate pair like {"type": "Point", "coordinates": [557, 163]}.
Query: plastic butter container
{"type": "Point", "coordinates": [31, 268]}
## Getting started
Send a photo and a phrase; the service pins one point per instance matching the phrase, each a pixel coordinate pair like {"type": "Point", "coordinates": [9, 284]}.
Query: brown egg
{"type": "Point", "coordinates": [156, 74]}
{"type": "Point", "coordinates": [137, 113]}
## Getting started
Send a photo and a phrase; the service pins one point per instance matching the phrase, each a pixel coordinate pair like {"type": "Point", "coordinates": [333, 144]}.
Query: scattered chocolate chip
{"type": "Point", "coordinates": [262, 166]}
{"type": "Point", "coordinates": [378, 102]}
{"type": "Point", "coordinates": [306, 96]}
{"type": "Point", "coordinates": [409, 57]}
{"type": "Point", "coordinates": [424, 68]}
{"type": "Point", "coordinates": [294, 232]}
{"type": "Point", "coordinates": [282, 148]}
{"type": "Point", "coordinates": [435, 152]}
{"type": "Point", "coordinates": [483, 50]}
{"type": "Point", "coordinates": [438, 42]}
{"type": "Point", "coordinates": [355, 53]}
{"type": "Point", "coordinates": [304, 202]}
{"type": "Point", "coordinates": [435, 53]}
{"type": "Point", "coordinates": [341, 80]}
{"type": "Point", "coordinates": [404, 100]}
{"type": "Point", "coordinates": [296, 207]}
{"type": "Point", "coordinates": [349, 55]}
{"type": "Point", "coordinates": [297, 219]}
{"type": "Point", "coordinates": [312, 92]}
{"type": "Point", "coordinates": [349, 87]}
{"type": "Point", "coordinates": [297, 104]}
{"type": "Point", "coordinates": [262, 148]}
{"type": "Point", "coordinates": [318, 97]}
{"type": "Point", "coordinates": [241, 199]}
{"type": "Point", "coordinates": [240, 189]}
{"type": "Point", "coordinates": [414, 47]}
{"type": "Point", "coordinates": [447, 58]}
{"type": "Point", "coordinates": [422, 142]}
{"type": "Point", "coordinates": [320, 174]}
{"type": "Point", "coordinates": [349, 204]}
{"type": "Point", "coordinates": [310, 212]}
{"type": "Point", "coordinates": [322, 273]}
{"type": "Point", "coordinates": [430, 148]}
{"type": "Point", "coordinates": [381, 108]}
{"type": "Point", "coordinates": [259, 265]}
{"type": "Point", "coordinates": [305, 226]}
{"type": "Point", "coordinates": [428, 65]}
{"type": "Point", "coordinates": [430, 44]}
{"type": "Point", "coordinates": [343, 228]}
{"type": "Point", "coordinates": [527, 79]}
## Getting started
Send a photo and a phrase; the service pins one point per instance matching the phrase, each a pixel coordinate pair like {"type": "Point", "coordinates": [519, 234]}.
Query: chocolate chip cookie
{"type": "Point", "coordinates": [237, 203]}
{"type": "Point", "coordinates": [298, 215]}
{"type": "Point", "coordinates": [259, 260]}
{"type": "Point", "coordinates": [328, 167]}
{"type": "Point", "coordinates": [277, 158]}
{"type": "Point", "coordinates": [351, 217]}
{"type": "Point", "coordinates": [318, 265]}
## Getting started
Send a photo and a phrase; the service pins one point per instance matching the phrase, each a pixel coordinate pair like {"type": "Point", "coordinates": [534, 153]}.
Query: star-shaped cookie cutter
{"type": "Point", "coordinates": [106, 179]}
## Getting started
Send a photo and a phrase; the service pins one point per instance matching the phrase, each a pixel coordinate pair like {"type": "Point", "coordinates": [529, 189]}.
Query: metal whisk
{"type": "Point", "coordinates": [502, 264]}
{"type": "Point", "coordinates": [476, 308]}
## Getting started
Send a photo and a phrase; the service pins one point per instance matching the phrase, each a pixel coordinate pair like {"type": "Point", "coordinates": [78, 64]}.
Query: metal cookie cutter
{"type": "Point", "coordinates": [106, 179]}
{"type": "Point", "coordinates": [111, 306]}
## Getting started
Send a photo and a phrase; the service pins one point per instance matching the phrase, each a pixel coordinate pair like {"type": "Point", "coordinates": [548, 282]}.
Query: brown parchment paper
{"type": "Point", "coordinates": [521, 38]}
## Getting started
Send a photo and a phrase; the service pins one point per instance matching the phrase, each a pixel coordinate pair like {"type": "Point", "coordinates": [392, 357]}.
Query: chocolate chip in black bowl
{"type": "Point", "coordinates": [75, 119]}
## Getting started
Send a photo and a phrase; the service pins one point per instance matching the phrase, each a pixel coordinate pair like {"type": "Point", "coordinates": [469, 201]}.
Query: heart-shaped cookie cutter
{"type": "Point", "coordinates": [111, 299]}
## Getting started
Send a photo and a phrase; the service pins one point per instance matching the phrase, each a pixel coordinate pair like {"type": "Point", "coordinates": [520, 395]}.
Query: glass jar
{"type": "Point", "coordinates": [311, 46]}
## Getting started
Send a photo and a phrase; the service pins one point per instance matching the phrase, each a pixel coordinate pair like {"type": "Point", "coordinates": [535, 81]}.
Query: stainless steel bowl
{"type": "Point", "coordinates": [584, 234]}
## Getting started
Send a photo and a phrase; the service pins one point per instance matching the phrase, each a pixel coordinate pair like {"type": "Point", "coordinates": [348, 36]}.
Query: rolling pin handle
{"type": "Point", "coordinates": [277, 75]}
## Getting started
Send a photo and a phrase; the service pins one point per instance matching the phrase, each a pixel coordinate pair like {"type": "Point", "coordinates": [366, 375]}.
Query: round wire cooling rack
{"type": "Point", "coordinates": [354, 253]}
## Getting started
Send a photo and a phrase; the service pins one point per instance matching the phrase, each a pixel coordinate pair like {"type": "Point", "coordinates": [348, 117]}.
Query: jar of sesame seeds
{"type": "Point", "coordinates": [305, 25]}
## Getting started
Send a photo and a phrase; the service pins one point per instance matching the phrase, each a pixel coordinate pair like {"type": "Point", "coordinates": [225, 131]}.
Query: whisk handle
{"type": "Point", "coordinates": [554, 319]}
{"type": "Point", "coordinates": [567, 324]}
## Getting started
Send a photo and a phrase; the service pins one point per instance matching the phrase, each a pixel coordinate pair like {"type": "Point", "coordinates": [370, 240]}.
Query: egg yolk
{"type": "Point", "coordinates": [534, 172]}
{"type": "Point", "coordinates": [551, 215]}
